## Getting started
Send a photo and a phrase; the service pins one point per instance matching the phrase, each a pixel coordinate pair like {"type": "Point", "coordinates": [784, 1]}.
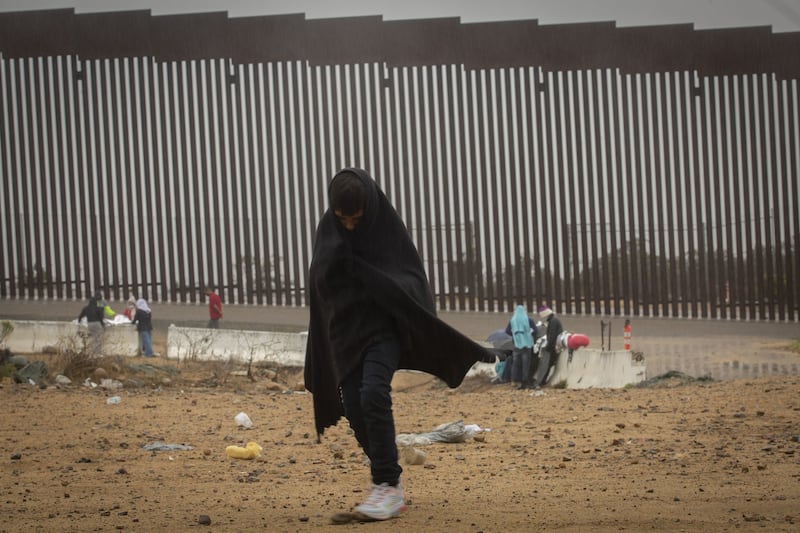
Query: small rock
{"type": "Point", "coordinates": [100, 373]}
{"type": "Point", "coordinates": [337, 451]}
{"type": "Point", "coordinates": [204, 520]}
{"type": "Point", "coordinates": [413, 456]}
{"type": "Point", "coordinates": [272, 386]}
{"type": "Point", "coordinates": [62, 380]}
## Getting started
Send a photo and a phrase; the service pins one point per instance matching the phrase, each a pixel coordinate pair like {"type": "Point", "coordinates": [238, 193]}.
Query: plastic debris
{"type": "Point", "coordinates": [250, 451]}
{"type": "Point", "coordinates": [448, 432]}
{"type": "Point", "coordinates": [162, 447]}
{"type": "Point", "coordinates": [243, 420]}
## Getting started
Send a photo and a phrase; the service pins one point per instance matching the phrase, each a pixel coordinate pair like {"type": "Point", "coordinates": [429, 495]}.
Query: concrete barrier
{"type": "Point", "coordinates": [284, 349]}
{"type": "Point", "coordinates": [30, 337]}
{"type": "Point", "coordinates": [588, 368]}
{"type": "Point", "coordinates": [612, 369]}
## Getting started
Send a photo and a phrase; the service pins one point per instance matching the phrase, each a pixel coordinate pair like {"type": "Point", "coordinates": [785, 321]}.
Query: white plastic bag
{"type": "Point", "coordinates": [243, 420]}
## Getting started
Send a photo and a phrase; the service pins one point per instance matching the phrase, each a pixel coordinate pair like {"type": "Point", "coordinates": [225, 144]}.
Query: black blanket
{"type": "Point", "coordinates": [380, 254]}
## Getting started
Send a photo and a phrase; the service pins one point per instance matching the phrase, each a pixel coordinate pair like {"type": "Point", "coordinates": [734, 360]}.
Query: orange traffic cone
{"type": "Point", "coordinates": [627, 335]}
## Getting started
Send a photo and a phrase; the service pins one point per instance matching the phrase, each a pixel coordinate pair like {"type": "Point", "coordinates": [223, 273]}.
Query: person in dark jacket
{"type": "Point", "coordinates": [372, 313]}
{"type": "Point", "coordinates": [93, 313]}
{"type": "Point", "coordinates": [549, 355]}
{"type": "Point", "coordinates": [144, 325]}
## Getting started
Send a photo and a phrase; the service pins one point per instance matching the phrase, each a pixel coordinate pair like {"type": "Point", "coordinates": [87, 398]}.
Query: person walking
{"type": "Point", "coordinates": [93, 313]}
{"type": "Point", "coordinates": [372, 313]}
{"type": "Point", "coordinates": [143, 319]}
{"type": "Point", "coordinates": [522, 330]}
{"type": "Point", "coordinates": [214, 307]}
{"type": "Point", "coordinates": [548, 356]}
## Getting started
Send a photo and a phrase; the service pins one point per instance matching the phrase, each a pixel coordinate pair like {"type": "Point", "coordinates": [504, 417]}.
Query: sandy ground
{"type": "Point", "coordinates": [678, 455]}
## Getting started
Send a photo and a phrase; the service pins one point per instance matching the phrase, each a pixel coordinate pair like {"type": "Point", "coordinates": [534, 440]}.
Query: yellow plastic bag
{"type": "Point", "coordinates": [250, 451]}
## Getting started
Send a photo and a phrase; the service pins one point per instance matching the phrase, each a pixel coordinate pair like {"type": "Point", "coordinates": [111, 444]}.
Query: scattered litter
{"type": "Point", "coordinates": [251, 451]}
{"type": "Point", "coordinates": [114, 400]}
{"type": "Point", "coordinates": [32, 373]}
{"type": "Point", "coordinates": [448, 432]}
{"type": "Point", "coordinates": [110, 384]}
{"type": "Point", "coordinates": [243, 420]}
{"type": "Point", "coordinates": [162, 447]}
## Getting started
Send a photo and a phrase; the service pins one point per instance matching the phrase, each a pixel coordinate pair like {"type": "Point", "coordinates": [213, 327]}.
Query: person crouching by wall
{"type": "Point", "coordinates": [549, 356]}
{"type": "Point", "coordinates": [143, 319]}
{"type": "Point", "coordinates": [93, 313]}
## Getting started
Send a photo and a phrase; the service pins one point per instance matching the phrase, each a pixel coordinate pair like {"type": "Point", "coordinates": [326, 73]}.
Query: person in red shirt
{"type": "Point", "coordinates": [214, 307]}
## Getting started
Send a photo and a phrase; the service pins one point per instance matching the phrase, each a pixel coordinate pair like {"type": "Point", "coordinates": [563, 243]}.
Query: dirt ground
{"type": "Point", "coordinates": [675, 455]}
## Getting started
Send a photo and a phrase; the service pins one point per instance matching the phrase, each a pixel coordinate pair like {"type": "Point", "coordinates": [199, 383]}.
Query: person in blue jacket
{"type": "Point", "coordinates": [522, 329]}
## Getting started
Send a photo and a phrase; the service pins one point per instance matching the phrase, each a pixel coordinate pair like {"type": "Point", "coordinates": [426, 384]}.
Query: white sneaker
{"type": "Point", "coordinates": [385, 502]}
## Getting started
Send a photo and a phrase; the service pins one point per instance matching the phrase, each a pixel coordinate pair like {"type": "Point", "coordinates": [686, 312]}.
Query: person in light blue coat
{"type": "Point", "coordinates": [522, 329]}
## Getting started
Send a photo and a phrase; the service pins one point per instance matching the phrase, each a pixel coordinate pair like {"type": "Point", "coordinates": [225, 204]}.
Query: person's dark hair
{"type": "Point", "coordinates": [348, 193]}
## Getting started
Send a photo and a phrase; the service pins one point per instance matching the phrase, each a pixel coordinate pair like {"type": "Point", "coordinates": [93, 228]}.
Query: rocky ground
{"type": "Point", "coordinates": [678, 454]}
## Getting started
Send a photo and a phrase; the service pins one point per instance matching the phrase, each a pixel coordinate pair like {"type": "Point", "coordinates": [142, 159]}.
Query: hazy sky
{"type": "Point", "coordinates": [782, 15]}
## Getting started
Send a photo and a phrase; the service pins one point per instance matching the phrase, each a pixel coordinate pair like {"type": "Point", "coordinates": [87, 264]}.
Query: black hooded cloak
{"type": "Point", "coordinates": [366, 284]}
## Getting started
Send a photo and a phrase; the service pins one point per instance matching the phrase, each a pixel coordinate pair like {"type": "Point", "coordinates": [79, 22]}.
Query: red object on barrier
{"type": "Point", "coordinates": [627, 335]}
{"type": "Point", "coordinates": [577, 340]}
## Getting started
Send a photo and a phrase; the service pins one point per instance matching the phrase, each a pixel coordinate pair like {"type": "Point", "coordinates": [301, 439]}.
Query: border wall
{"type": "Point", "coordinates": [610, 171]}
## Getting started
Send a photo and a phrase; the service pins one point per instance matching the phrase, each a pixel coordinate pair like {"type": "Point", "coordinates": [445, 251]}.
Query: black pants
{"type": "Point", "coordinates": [547, 360]}
{"type": "Point", "coordinates": [366, 395]}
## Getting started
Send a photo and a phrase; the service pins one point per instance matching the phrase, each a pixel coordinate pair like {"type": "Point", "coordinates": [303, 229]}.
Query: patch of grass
{"type": "Point", "coordinates": [73, 358]}
{"type": "Point", "coordinates": [795, 347]}
{"type": "Point", "coordinates": [673, 378]}
{"type": "Point", "coordinates": [7, 370]}
{"type": "Point", "coordinates": [6, 330]}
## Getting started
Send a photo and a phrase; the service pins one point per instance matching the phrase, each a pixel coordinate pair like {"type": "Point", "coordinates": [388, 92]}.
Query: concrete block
{"type": "Point", "coordinates": [39, 336]}
{"type": "Point", "coordinates": [612, 369]}
{"type": "Point", "coordinates": [202, 344]}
